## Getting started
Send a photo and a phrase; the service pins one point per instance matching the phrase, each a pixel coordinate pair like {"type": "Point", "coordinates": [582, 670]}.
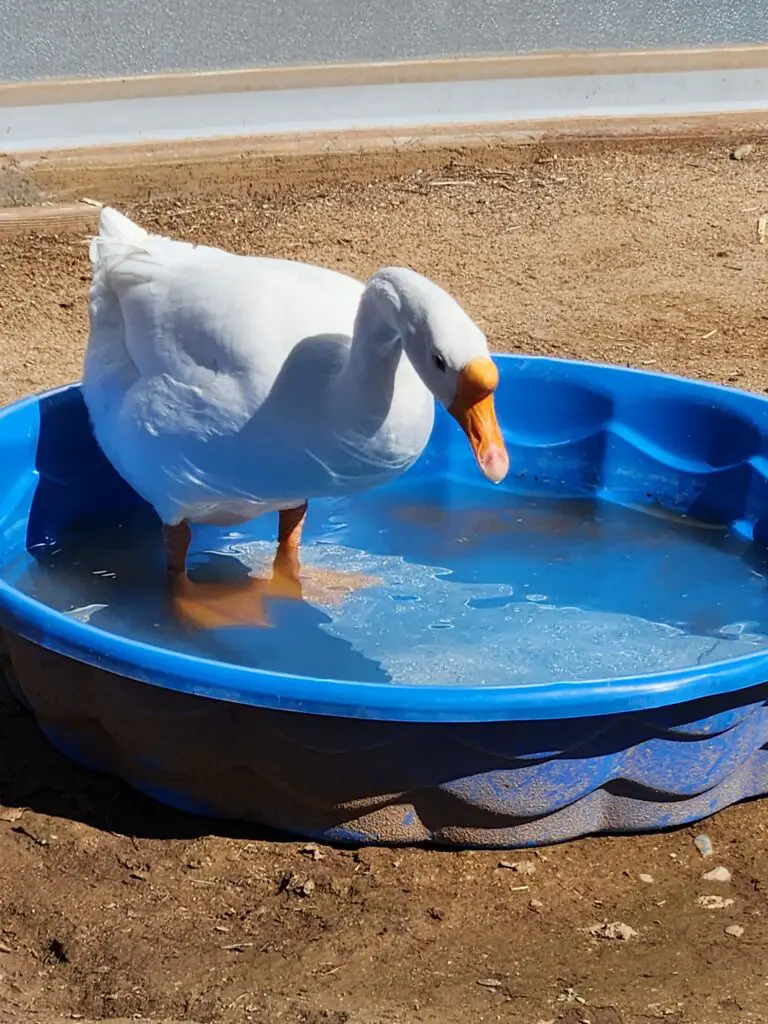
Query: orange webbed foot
{"type": "Point", "coordinates": [219, 605]}
{"type": "Point", "coordinates": [330, 587]}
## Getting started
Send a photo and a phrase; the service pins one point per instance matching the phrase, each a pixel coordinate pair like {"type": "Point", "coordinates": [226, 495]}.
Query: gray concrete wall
{"type": "Point", "coordinates": [73, 38]}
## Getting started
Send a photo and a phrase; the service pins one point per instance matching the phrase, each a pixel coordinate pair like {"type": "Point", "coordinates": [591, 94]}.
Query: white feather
{"type": "Point", "coordinates": [221, 386]}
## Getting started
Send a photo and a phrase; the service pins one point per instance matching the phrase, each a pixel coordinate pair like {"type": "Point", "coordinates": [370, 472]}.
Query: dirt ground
{"type": "Point", "coordinates": [112, 907]}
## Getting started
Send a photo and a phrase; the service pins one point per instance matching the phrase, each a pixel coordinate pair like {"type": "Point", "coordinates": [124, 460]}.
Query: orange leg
{"type": "Point", "coordinates": [176, 540]}
{"type": "Point", "coordinates": [208, 605]}
{"type": "Point", "coordinates": [286, 566]}
{"type": "Point", "coordinates": [321, 586]}
{"type": "Point", "coordinates": [214, 605]}
{"type": "Point", "coordinates": [289, 531]}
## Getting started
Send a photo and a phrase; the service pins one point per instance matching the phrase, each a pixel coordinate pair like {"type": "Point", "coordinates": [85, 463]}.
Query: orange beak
{"type": "Point", "coordinates": [473, 410]}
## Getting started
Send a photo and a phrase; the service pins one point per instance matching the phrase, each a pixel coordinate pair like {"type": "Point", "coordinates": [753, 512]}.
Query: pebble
{"type": "Point", "coordinates": [311, 850]}
{"type": "Point", "coordinates": [648, 879]}
{"type": "Point", "coordinates": [704, 845]}
{"type": "Point", "coordinates": [613, 930]}
{"type": "Point", "coordinates": [536, 905]}
{"type": "Point", "coordinates": [741, 152]}
{"type": "Point", "coordinates": [522, 867]}
{"type": "Point", "coordinates": [711, 902]}
{"type": "Point", "coordinates": [735, 930]}
{"type": "Point", "coordinates": [4, 948]}
{"type": "Point", "coordinates": [571, 996]}
{"type": "Point", "coordinates": [720, 874]}
{"type": "Point", "coordinates": [490, 983]}
{"type": "Point", "coordinates": [298, 886]}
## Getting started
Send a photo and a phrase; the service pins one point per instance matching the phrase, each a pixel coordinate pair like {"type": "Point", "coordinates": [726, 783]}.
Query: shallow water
{"type": "Point", "coordinates": [473, 586]}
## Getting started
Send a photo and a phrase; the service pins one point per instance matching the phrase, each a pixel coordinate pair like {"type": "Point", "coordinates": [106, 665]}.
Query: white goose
{"type": "Point", "coordinates": [223, 386]}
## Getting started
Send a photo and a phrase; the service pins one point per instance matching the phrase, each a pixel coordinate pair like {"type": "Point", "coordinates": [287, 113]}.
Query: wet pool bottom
{"type": "Point", "coordinates": [469, 586]}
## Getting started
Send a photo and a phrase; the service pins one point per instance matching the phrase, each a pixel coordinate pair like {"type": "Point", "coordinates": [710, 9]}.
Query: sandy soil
{"type": "Point", "coordinates": [112, 907]}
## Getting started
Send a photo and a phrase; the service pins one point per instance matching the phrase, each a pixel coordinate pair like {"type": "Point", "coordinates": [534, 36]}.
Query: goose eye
{"type": "Point", "coordinates": [439, 362]}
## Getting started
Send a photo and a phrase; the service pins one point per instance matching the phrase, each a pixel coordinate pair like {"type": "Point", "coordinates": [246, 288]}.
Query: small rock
{"type": "Point", "coordinates": [312, 850]}
{"type": "Point", "coordinates": [735, 930]}
{"type": "Point", "coordinates": [613, 930]}
{"type": "Point", "coordinates": [522, 867]}
{"type": "Point", "coordinates": [711, 902]}
{"type": "Point", "coordinates": [436, 913]}
{"type": "Point", "coordinates": [704, 845]}
{"type": "Point", "coordinates": [490, 983]}
{"type": "Point", "coordinates": [571, 996]}
{"type": "Point", "coordinates": [536, 905]}
{"type": "Point", "coordinates": [647, 879]}
{"type": "Point", "coordinates": [720, 874]}
{"type": "Point", "coordinates": [742, 152]}
{"type": "Point", "coordinates": [4, 948]}
{"type": "Point", "coordinates": [298, 886]}
{"type": "Point", "coordinates": [11, 813]}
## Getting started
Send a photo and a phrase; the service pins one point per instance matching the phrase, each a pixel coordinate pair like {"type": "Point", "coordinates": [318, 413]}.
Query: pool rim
{"type": "Point", "coordinates": [384, 701]}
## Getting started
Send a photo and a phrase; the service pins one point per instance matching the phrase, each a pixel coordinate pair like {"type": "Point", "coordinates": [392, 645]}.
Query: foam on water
{"type": "Point", "coordinates": [475, 586]}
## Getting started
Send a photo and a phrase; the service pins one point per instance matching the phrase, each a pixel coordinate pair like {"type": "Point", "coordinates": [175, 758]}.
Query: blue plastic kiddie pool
{"type": "Point", "coordinates": [582, 649]}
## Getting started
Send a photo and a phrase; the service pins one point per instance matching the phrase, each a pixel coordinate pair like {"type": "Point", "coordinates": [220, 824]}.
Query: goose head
{"type": "Point", "coordinates": [449, 352]}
